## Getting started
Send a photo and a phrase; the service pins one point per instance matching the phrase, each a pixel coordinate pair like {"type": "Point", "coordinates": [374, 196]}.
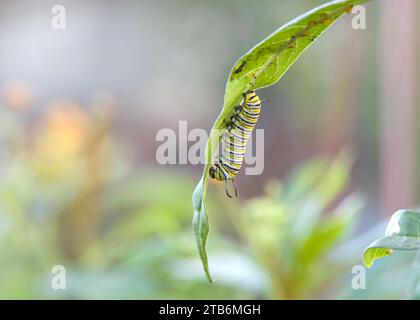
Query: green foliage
{"type": "Point", "coordinates": [126, 234]}
{"type": "Point", "coordinates": [201, 227]}
{"type": "Point", "coordinates": [292, 229]}
{"type": "Point", "coordinates": [402, 233]}
{"type": "Point", "coordinates": [111, 226]}
{"type": "Point", "coordinates": [261, 67]}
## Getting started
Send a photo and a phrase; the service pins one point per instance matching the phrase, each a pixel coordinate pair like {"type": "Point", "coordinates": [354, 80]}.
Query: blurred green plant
{"type": "Point", "coordinates": [261, 67]}
{"type": "Point", "coordinates": [292, 229]}
{"type": "Point", "coordinates": [68, 198]}
{"type": "Point", "coordinates": [72, 200]}
{"type": "Point", "coordinates": [402, 233]}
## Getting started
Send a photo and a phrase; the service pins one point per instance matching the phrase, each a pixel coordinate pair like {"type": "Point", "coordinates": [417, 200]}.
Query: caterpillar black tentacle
{"type": "Point", "coordinates": [239, 129]}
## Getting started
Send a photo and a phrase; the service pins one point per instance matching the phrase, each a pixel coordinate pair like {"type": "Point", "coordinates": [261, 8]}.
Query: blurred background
{"type": "Point", "coordinates": [80, 186]}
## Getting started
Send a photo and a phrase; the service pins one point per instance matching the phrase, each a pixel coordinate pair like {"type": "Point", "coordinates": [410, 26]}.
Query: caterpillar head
{"type": "Point", "coordinates": [212, 171]}
{"type": "Point", "coordinates": [216, 173]}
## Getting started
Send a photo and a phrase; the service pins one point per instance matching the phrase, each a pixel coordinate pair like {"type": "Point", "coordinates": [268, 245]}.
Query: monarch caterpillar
{"type": "Point", "coordinates": [239, 129]}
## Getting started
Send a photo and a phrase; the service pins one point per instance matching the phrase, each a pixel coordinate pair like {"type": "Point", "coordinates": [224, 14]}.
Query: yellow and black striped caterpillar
{"type": "Point", "coordinates": [239, 129]}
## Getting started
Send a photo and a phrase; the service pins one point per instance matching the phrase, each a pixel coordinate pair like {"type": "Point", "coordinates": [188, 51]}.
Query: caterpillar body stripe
{"type": "Point", "coordinates": [239, 129]}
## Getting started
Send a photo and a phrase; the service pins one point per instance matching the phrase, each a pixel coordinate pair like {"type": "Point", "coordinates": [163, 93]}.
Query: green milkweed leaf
{"type": "Point", "coordinates": [261, 67]}
{"type": "Point", "coordinates": [402, 233]}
